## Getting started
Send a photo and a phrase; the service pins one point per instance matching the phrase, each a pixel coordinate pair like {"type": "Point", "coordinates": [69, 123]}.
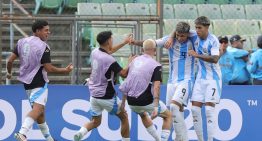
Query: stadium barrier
{"type": "Point", "coordinates": [68, 108]}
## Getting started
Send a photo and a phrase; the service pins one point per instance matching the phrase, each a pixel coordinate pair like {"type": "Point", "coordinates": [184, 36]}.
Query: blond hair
{"type": "Point", "coordinates": [149, 44]}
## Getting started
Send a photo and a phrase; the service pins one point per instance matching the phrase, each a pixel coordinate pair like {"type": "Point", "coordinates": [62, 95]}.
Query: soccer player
{"type": "Point", "coordinates": [226, 60]}
{"type": "Point", "coordinates": [207, 87]}
{"type": "Point", "coordinates": [181, 76]}
{"type": "Point", "coordinates": [255, 63]}
{"type": "Point", "coordinates": [101, 85]}
{"type": "Point", "coordinates": [145, 74]}
{"type": "Point", "coordinates": [34, 55]}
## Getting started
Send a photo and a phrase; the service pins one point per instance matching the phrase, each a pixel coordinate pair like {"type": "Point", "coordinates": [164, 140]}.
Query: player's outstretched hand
{"type": "Point", "coordinates": [69, 68]}
{"type": "Point", "coordinates": [129, 39]}
{"type": "Point", "coordinates": [154, 113]}
{"type": "Point", "coordinates": [133, 42]}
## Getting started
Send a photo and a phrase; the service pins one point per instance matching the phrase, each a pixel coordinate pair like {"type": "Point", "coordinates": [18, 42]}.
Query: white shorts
{"type": "Point", "coordinates": [207, 91]}
{"type": "Point", "coordinates": [179, 92]}
{"type": "Point", "coordinates": [149, 108]}
{"type": "Point", "coordinates": [38, 95]}
{"type": "Point", "coordinates": [110, 105]}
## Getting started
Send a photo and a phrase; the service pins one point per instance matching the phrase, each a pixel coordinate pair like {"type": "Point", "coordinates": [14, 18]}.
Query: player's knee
{"type": "Point", "coordinates": [143, 115]}
{"type": "Point", "coordinates": [96, 122]}
{"type": "Point", "coordinates": [174, 109]}
{"type": "Point", "coordinates": [40, 119]}
{"type": "Point", "coordinates": [212, 104]}
{"type": "Point", "coordinates": [37, 112]}
{"type": "Point", "coordinates": [123, 116]}
{"type": "Point", "coordinates": [39, 109]}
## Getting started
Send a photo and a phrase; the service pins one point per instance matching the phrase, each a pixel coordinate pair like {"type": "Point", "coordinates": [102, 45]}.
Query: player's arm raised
{"type": "Point", "coordinates": [137, 43]}
{"type": "Point", "coordinates": [127, 40]}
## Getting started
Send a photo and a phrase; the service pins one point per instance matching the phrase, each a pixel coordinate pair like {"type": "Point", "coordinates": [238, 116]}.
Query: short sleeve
{"type": "Point", "coordinates": [157, 75]}
{"type": "Point", "coordinates": [114, 67]}
{"type": "Point", "coordinates": [15, 51]}
{"type": "Point", "coordinates": [46, 57]}
{"type": "Point", "coordinates": [161, 42]}
{"type": "Point", "coordinates": [215, 48]}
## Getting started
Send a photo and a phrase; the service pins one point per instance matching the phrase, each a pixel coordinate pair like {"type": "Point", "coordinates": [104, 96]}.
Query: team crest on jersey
{"type": "Point", "coordinates": [227, 59]}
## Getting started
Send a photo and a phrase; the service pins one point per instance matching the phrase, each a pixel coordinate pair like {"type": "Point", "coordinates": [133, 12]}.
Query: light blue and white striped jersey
{"type": "Point", "coordinates": [255, 64]}
{"type": "Point", "coordinates": [181, 65]}
{"type": "Point", "coordinates": [208, 47]}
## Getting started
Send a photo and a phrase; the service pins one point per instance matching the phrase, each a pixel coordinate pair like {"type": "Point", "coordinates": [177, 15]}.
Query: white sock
{"type": "Point", "coordinates": [125, 139]}
{"type": "Point", "coordinates": [178, 122]}
{"type": "Point", "coordinates": [83, 131]}
{"type": "Point", "coordinates": [165, 135]}
{"type": "Point", "coordinates": [184, 129]}
{"type": "Point", "coordinates": [210, 116]}
{"type": "Point", "coordinates": [45, 131]}
{"type": "Point", "coordinates": [27, 124]}
{"type": "Point", "coordinates": [197, 121]}
{"type": "Point", "coordinates": [152, 131]}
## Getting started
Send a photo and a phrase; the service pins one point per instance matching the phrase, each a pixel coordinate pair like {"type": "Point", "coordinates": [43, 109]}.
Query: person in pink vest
{"type": "Point", "coordinates": [101, 85]}
{"type": "Point", "coordinates": [141, 88]}
{"type": "Point", "coordinates": [35, 62]}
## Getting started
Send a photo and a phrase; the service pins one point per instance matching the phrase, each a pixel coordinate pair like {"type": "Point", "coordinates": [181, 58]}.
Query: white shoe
{"type": "Point", "coordinates": [20, 137]}
{"type": "Point", "coordinates": [78, 137]}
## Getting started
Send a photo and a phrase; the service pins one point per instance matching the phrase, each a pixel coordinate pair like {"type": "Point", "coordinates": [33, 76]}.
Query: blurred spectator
{"type": "Point", "coordinates": [225, 61]}
{"type": "Point", "coordinates": [240, 74]}
{"type": "Point", "coordinates": [255, 64]}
